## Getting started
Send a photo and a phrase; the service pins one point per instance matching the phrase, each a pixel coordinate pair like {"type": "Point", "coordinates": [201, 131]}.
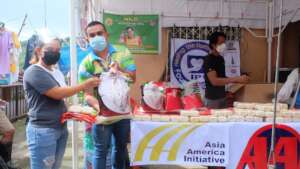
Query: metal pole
{"type": "Point", "coordinates": [73, 71]}
{"type": "Point", "coordinates": [45, 13]}
{"type": "Point", "coordinates": [270, 40]}
{"type": "Point", "coordinates": [267, 19]}
{"type": "Point", "coordinates": [23, 24]}
{"type": "Point", "coordinates": [272, 152]}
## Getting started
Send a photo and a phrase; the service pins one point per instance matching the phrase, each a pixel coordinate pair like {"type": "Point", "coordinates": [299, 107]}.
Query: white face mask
{"type": "Point", "coordinates": [221, 48]}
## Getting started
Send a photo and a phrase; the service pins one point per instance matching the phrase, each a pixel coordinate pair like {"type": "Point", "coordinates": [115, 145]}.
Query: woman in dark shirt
{"type": "Point", "coordinates": [46, 136]}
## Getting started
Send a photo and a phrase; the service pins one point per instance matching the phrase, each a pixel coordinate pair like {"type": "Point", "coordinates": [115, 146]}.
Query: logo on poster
{"type": "Point", "coordinates": [159, 147]}
{"type": "Point", "coordinates": [287, 149]}
{"type": "Point", "coordinates": [188, 61]}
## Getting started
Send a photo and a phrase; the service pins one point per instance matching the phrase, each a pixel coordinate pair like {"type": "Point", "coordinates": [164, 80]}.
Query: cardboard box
{"type": "Point", "coordinates": [259, 93]}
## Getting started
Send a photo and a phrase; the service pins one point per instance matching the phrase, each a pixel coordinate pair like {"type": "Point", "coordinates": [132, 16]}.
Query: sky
{"type": "Point", "coordinates": [12, 13]}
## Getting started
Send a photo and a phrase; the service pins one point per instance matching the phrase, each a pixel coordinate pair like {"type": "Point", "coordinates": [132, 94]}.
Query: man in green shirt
{"type": "Point", "coordinates": [100, 60]}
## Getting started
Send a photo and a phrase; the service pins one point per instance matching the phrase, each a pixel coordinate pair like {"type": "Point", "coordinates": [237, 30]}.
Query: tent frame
{"type": "Point", "coordinates": [269, 35]}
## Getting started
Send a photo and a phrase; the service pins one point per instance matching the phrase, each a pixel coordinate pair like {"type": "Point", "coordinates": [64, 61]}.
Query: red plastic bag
{"type": "Point", "coordinates": [192, 101]}
{"type": "Point", "coordinates": [173, 99]}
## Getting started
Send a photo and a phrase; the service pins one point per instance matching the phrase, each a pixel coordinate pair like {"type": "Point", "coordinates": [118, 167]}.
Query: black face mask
{"type": "Point", "coordinates": [51, 58]}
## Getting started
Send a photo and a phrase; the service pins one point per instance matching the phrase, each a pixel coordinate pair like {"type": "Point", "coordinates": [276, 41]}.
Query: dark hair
{"type": "Point", "coordinates": [93, 23]}
{"type": "Point", "coordinates": [213, 38]}
{"type": "Point", "coordinates": [129, 27]}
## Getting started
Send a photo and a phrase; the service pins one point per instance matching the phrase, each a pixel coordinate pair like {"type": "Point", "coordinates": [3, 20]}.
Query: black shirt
{"type": "Point", "coordinates": [214, 63]}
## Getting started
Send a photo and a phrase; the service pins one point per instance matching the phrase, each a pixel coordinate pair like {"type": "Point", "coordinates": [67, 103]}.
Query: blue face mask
{"type": "Point", "coordinates": [98, 43]}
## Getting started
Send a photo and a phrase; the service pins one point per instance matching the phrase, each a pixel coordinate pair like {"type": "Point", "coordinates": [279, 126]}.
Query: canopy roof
{"type": "Point", "coordinates": [248, 13]}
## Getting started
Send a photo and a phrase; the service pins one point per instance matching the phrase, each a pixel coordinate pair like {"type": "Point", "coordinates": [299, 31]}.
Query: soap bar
{"type": "Point", "coordinates": [242, 105]}
{"type": "Point", "coordinates": [162, 118]}
{"type": "Point", "coordinates": [242, 112]}
{"type": "Point", "coordinates": [222, 119]}
{"type": "Point", "coordinates": [236, 118]}
{"type": "Point", "coordinates": [192, 113]}
{"type": "Point", "coordinates": [175, 118]}
{"type": "Point", "coordinates": [221, 112]}
{"type": "Point", "coordinates": [253, 119]}
{"type": "Point", "coordinates": [142, 117]}
{"type": "Point", "coordinates": [296, 119]}
{"type": "Point", "coordinates": [201, 119]}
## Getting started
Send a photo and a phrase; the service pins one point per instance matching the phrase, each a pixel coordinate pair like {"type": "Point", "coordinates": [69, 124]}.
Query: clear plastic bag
{"type": "Point", "coordinates": [114, 92]}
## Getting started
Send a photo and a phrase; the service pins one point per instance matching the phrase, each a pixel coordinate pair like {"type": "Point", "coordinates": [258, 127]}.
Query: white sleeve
{"type": "Point", "coordinates": [288, 87]}
{"type": "Point", "coordinates": [59, 77]}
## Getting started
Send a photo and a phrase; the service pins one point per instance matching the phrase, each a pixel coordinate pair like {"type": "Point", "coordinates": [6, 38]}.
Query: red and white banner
{"type": "Point", "coordinates": [232, 145]}
{"type": "Point", "coordinates": [250, 146]}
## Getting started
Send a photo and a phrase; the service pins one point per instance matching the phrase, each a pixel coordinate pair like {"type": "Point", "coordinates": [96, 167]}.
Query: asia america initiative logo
{"type": "Point", "coordinates": [158, 149]}
{"type": "Point", "coordinates": [188, 60]}
{"type": "Point", "coordinates": [287, 149]}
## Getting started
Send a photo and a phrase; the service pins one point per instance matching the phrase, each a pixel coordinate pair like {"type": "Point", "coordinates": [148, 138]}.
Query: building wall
{"type": "Point", "coordinates": [291, 46]}
{"type": "Point", "coordinates": [253, 57]}
{"type": "Point", "coordinates": [150, 67]}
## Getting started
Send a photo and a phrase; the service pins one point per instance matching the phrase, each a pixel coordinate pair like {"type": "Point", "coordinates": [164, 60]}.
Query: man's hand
{"type": "Point", "coordinates": [243, 79]}
{"type": "Point", "coordinates": [114, 67]}
{"type": "Point", "coordinates": [91, 99]}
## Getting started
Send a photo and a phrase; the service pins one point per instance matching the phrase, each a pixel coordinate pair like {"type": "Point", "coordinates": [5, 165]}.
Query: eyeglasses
{"type": "Point", "coordinates": [99, 33]}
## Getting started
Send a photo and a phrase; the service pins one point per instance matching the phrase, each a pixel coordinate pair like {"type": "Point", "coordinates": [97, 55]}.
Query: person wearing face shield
{"type": "Point", "coordinates": [105, 57]}
{"type": "Point", "coordinates": [215, 78]}
{"type": "Point", "coordinates": [44, 93]}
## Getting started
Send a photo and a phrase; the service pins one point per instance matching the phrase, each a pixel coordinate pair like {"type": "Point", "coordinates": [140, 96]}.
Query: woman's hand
{"type": "Point", "coordinates": [92, 83]}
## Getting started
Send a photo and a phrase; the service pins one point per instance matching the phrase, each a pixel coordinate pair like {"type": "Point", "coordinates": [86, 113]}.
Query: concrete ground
{"type": "Point", "coordinates": [21, 155]}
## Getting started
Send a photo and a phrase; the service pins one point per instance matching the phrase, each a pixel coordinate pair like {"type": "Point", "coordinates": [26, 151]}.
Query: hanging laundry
{"type": "Point", "coordinates": [6, 45]}
{"type": "Point", "coordinates": [32, 43]}
{"type": "Point", "coordinates": [17, 43]}
{"type": "Point", "coordinates": [14, 58]}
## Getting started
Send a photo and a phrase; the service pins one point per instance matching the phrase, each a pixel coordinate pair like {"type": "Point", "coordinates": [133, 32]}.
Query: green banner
{"type": "Point", "coordinates": [140, 33]}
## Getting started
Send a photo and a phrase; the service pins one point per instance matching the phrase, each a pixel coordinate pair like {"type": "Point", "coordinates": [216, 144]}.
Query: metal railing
{"type": "Point", "coordinates": [15, 105]}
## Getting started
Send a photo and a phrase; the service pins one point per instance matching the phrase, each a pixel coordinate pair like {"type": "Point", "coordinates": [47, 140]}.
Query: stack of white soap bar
{"type": "Point", "coordinates": [242, 112]}
{"type": "Point", "coordinates": [189, 113]}
{"type": "Point", "coordinates": [157, 117]}
{"type": "Point", "coordinates": [270, 107]}
{"type": "Point", "coordinates": [222, 119]}
{"type": "Point", "coordinates": [259, 113]}
{"type": "Point", "coordinates": [142, 117]}
{"type": "Point", "coordinates": [221, 112]}
{"type": "Point", "coordinates": [236, 118]}
{"type": "Point", "coordinates": [292, 114]}
{"type": "Point", "coordinates": [176, 118]}
{"type": "Point", "coordinates": [241, 105]}
{"type": "Point", "coordinates": [203, 119]}
{"type": "Point", "coordinates": [296, 118]}
{"type": "Point", "coordinates": [260, 106]}
{"type": "Point", "coordinates": [253, 119]}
